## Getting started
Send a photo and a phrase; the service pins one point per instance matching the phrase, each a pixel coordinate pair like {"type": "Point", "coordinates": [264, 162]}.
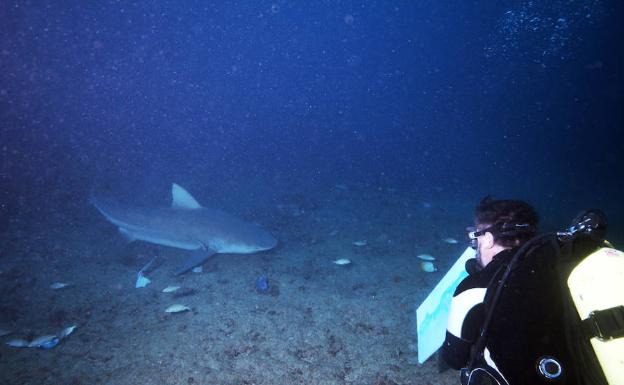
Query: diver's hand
{"type": "Point", "coordinates": [472, 266]}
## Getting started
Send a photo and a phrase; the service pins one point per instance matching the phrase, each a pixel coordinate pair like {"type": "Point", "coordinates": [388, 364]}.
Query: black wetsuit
{"type": "Point", "coordinates": [526, 324]}
{"type": "Point", "coordinates": [468, 311]}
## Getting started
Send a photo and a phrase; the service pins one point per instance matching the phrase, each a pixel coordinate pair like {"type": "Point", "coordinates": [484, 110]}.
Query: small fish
{"type": "Point", "coordinates": [177, 308]}
{"type": "Point", "coordinates": [262, 284]}
{"type": "Point", "coordinates": [170, 289]}
{"type": "Point", "coordinates": [59, 285]}
{"type": "Point", "coordinates": [49, 344]}
{"type": "Point", "coordinates": [426, 257]}
{"type": "Point", "coordinates": [359, 243]}
{"type": "Point", "coordinates": [17, 343]}
{"type": "Point", "coordinates": [342, 261]}
{"type": "Point", "coordinates": [47, 341]}
{"type": "Point", "coordinates": [67, 331]}
{"type": "Point", "coordinates": [428, 266]}
{"type": "Point", "coordinates": [141, 281]}
{"type": "Point", "coordinates": [5, 332]}
{"type": "Point", "coordinates": [450, 241]}
{"type": "Point", "coordinates": [198, 269]}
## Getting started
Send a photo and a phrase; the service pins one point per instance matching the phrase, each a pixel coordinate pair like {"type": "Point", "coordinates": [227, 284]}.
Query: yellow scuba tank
{"type": "Point", "coordinates": [597, 288]}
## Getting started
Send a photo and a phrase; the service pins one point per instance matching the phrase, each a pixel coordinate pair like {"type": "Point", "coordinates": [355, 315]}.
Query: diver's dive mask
{"type": "Point", "coordinates": [474, 265]}
{"type": "Point", "coordinates": [505, 229]}
{"type": "Point", "coordinates": [473, 234]}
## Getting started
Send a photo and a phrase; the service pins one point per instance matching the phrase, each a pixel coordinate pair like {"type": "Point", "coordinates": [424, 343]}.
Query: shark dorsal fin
{"type": "Point", "coordinates": [181, 199]}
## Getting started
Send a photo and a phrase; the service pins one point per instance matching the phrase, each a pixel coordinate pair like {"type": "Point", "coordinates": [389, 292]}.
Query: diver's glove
{"type": "Point", "coordinates": [472, 266]}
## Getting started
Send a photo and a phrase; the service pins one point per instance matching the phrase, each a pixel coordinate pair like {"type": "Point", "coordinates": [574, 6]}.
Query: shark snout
{"type": "Point", "coordinates": [267, 242]}
{"type": "Point", "coordinates": [260, 241]}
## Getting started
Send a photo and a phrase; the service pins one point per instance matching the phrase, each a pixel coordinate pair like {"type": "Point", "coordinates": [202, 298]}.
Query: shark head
{"type": "Point", "coordinates": [263, 242]}
{"type": "Point", "coordinates": [248, 237]}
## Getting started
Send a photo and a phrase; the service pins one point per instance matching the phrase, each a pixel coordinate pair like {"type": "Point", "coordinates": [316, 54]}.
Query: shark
{"type": "Point", "coordinates": [186, 225]}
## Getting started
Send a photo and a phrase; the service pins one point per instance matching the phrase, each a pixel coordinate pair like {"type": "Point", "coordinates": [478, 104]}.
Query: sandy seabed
{"type": "Point", "coordinates": [320, 323]}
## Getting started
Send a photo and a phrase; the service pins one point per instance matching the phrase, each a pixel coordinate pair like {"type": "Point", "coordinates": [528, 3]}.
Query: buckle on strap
{"type": "Point", "coordinates": [605, 324]}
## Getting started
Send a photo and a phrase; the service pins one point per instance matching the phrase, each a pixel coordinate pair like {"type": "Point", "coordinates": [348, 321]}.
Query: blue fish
{"type": "Point", "coordinates": [262, 284]}
{"type": "Point", "coordinates": [50, 344]}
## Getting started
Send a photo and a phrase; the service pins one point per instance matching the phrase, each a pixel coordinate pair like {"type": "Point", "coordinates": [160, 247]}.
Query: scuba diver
{"type": "Point", "coordinates": [501, 226]}
{"type": "Point", "coordinates": [507, 321]}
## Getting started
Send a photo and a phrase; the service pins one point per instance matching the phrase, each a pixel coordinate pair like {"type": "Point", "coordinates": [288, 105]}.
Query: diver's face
{"type": "Point", "coordinates": [480, 255]}
{"type": "Point", "coordinates": [487, 248]}
{"type": "Point", "coordinates": [482, 241]}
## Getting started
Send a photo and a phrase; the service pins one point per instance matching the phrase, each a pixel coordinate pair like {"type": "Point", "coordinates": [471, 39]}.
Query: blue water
{"type": "Point", "coordinates": [473, 98]}
{"type": "Point", "coordinates": [291, 114]}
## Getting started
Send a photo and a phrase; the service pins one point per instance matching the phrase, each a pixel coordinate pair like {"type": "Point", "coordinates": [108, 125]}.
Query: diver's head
{"type": "Point", "coordinates": [500, 225]}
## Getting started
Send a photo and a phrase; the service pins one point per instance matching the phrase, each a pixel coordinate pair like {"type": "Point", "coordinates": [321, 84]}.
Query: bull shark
{"type": "Point", "coordinates": [187, 225]}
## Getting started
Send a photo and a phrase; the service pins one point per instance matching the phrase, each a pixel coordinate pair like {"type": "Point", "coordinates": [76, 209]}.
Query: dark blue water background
{"type": "Point", "coordinates": [450, 99]}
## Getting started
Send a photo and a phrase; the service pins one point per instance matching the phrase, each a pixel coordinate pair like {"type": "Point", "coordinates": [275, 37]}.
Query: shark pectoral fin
{"type": "Point", "coordinates": [197, 257]}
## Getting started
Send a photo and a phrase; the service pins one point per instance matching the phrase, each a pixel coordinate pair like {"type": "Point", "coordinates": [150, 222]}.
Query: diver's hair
{"type": "Point", "coordinates": [513, 222]}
